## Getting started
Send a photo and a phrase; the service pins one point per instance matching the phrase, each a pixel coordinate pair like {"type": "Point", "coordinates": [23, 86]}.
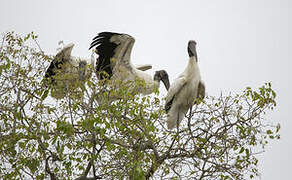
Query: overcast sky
{"type": "Point", "coordinates": [240, 43]}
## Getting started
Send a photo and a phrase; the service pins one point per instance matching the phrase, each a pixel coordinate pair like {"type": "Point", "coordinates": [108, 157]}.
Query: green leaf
{"type": "Point", "coordinates": [269, 132]}
{"type": "Point", "coordinates": [241, 150]}
{"type": "Point", "coordinates": [247, 152]}
{"type": "Point", "coordinates": [278, 128]}
{"type": "Point", "coordinates": [138, 174]}
{"type": "Point", "coordinates": [44, 96]}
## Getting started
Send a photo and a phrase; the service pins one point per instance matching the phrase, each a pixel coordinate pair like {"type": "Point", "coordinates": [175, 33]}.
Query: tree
{"type": "Point", "coordinates": [78, 138]}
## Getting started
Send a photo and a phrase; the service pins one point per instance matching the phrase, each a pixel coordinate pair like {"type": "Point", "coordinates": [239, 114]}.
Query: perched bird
{"type": "Point", "coordinates": [114, 62]}
{"type": "Point", "coordinates": [65, 70]}
{"type": "Point", "coordinates": [184, 90]}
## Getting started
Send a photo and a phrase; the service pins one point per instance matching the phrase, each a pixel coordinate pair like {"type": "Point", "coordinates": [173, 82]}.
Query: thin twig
{"type": "Point", "coordinates": [38, 45]}
{"type": "Point", "coordinates": [2, 44]}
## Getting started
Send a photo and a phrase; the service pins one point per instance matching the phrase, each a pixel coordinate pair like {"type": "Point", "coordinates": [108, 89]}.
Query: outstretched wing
{"type": "Point", "coordinates": [61, 57]}
{"type": "Point", "coordinates": [105, 50]}
{"type": "Point", "coordinates": [174, 89]}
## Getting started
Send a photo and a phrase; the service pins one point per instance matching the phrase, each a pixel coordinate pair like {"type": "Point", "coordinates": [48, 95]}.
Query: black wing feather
{"type": "Point", "coordinates": [55, 65]}
{"type": "Point", "coordinates": [105, 50]}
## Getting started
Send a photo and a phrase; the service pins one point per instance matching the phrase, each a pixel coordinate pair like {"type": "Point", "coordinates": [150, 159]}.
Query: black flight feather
{"type": "Point", "coordinates": [55, 65]}
{"type": "Point", "coordinates": [105, 50]}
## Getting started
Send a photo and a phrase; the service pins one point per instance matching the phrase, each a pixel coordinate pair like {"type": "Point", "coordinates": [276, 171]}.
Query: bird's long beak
{"type": "Point", "coordinates": [165, 81]}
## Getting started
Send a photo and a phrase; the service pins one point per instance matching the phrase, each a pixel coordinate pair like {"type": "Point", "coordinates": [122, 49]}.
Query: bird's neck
{"type": "Point", "coordinates": [193, 60]}
{"type": "Point", "coordinates": [192, 66]}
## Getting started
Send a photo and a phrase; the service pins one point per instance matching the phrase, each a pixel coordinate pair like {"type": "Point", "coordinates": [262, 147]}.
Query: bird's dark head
{"type": "Point", "coordinates": [192, 49]}
{"type": "Point", "coordinates": [162, 76]}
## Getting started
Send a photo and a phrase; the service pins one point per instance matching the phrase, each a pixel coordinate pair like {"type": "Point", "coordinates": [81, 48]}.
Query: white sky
{"type": "Point", "coordinates": [240, 43]}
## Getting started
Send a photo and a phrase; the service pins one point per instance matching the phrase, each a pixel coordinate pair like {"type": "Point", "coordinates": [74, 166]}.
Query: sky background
{"type": "Point", "coordinates": [240, 43]}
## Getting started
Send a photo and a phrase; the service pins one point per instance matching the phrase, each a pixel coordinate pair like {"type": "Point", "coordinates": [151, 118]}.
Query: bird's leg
{"type": "Point", "coordinates": [177, 122]}
{"type": "Point", "coordinates": [190, 115]}
{"type": "Point", "coordinates": [189, 123]}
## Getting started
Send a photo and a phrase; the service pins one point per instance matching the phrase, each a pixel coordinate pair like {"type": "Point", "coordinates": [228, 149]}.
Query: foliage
{"type": "Point", "coordinates": [87, 135]}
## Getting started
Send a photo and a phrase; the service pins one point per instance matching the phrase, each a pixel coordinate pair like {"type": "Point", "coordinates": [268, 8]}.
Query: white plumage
{"type": "Point", "coordinates": [184, 90]}
{"type": "Point", "coordinates": [114, 62]}
{"type": "Point", "coordinates": [66, 70]}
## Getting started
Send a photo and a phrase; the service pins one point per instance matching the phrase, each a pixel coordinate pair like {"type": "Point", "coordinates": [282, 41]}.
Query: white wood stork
{"type": "Point", "coordinates": [184, 90]}
{"type": "Point", "coordinates": [114, 58]}
{"type": "Point", "coordinates": [66, 68]}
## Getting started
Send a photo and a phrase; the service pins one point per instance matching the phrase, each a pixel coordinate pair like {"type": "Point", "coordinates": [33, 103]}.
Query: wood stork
{"type": "Point", "coordinates": [114, 58]}
{"type": "Point", "coordinates": [184, 90]}
{"type": "Point", "coordinates": [65, 70]}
